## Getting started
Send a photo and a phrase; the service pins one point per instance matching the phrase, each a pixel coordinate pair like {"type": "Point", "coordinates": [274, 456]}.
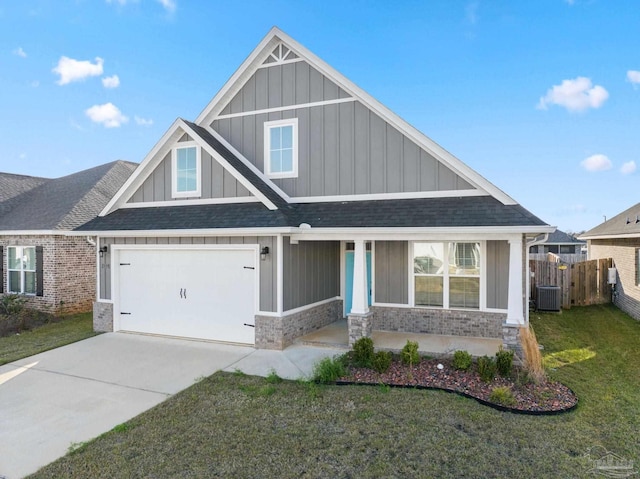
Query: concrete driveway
{"type": "Point", "coordinates": [76, 392]}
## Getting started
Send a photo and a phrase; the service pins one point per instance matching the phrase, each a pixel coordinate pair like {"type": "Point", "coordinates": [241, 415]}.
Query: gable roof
{"type": "Point", "coordinates": [624, 225]}
{"type": "Point", "coordinates": [560, 237]}
{"type": "Point", "coordinates": [13, 185]}
{"type": "Point", "coordinates": [264, 50]}
{"type": "Point", "coordinates": [61, 203]}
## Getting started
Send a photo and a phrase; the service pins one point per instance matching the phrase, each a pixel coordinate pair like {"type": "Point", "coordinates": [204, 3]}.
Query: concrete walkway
{"type": "Point", "coordinates": [74, 393]}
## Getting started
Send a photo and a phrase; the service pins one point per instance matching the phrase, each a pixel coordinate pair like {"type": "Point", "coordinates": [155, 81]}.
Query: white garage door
{"type": "Point", "coordinates": [208, 294]}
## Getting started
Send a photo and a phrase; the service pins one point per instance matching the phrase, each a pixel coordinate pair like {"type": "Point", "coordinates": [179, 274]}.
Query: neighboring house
{"type": "Point", "coordinates": [566, 247]}
{"type": "Point", "coordinates": [295, 199]}
{"type": "Point", "coordinates": [619, 239]}
{"type": "Point", "coordinates": [54, 271]}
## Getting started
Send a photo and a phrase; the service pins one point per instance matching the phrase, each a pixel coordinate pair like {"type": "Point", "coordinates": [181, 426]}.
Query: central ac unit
{"type": "Point", "coordinates": [549, 298]}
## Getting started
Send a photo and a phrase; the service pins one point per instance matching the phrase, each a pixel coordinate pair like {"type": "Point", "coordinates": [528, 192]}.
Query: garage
{"type": "Point", "coordinates": [204, 293]}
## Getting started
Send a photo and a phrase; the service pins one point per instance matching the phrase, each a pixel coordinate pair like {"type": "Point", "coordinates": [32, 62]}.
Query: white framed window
{"type": "Point", "coordinates": [447, 274]}
{"type": "Point", "coordinates": [186, 170]}
{"type": "Point", "coordinates": [281, 148]}
{"type": "Point", "coordinates": [21, 269]}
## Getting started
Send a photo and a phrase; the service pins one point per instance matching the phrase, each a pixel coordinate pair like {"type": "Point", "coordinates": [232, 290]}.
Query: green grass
{"type": "Point", "coordinates": [232, 425]}
{"type": "Point", "coordinates": [50, 336]}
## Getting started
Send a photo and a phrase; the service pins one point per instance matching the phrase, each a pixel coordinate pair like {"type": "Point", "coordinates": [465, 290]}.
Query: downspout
{"type": "Point", "coordinates": [91, 241]}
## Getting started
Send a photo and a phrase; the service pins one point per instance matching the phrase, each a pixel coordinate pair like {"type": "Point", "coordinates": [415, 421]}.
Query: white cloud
{"type": "Point", "coordinates": [108, 114]}
{"type": "Point", "coordinates": [111, 82]}
{"type": "Point", "coordinates": [470, 12]}
{"type": "Point", "coordinates": [35, 84]}
{"type": "Point", "coordinates": [71, 70]}
{"type": "Point", "coordinates": [596, 163]}
{"type": "Point", "coordinates": [20, 52]}
{"type": "Point", "coordinates": [143, 121]}
{"type": "Point", "coordinates": [168, 5]}
{"type": "Point", "coordinates": [628, 167]}
{"type": "Point", "coordinates": [633, 76]}
{"type": "Point", "coordinates": [575, 95]}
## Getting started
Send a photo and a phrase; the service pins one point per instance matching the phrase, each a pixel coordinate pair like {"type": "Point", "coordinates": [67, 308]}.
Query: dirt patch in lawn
{"type": "Point", "coordinates": [545, 397]}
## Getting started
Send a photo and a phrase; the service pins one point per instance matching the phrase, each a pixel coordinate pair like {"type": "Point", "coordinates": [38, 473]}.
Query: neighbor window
{"type": "Point", "coordinates": [447, 274]}
{"type": "Point", "coordinates": [21, 267]}
{"type": "Point", "coordinates": [638, 267]}
{"type": "Point", "coordinates": [281, 148]}
{"type": "Point", "coordinates": [186, 171]}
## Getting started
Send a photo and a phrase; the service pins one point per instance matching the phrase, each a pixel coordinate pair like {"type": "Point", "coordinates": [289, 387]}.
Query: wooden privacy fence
{"type": "Point", "coordinates": [581, 284]}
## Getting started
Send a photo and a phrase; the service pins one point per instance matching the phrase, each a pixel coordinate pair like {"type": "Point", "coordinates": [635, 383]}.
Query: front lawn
{"type": "Point", "coordinates": [231, 425]}
{"type": "Point", "coordinates": [49, 336]}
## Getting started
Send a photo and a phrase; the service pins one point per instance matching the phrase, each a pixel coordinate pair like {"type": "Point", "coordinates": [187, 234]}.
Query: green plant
{"type": "Point", "coordinates": [504, 362]}
{"type": "Point", "coordinates": [409, 353]}
{"type": "Point", "coordinates": [328, 370]}
{"type": "Point", "coordinates": [11, 304]}
{"type": "Point", "coordinates": [124, 427]}
{"type": "Point", "coordinates": [502, 395]}
{"type": "Point", "coordinates": [273, 378]}
{"type": "Point", "coordinates": [267, 390]}
{"type": "Point", "coordinates": [363, 352]}
{"type": "Point", "coordinates": [462, 360]}
{"type": "Point", "coordinates": [486, 368]}
{"type": "Point", "coordinates": [381, 361]}
{"type": "Point", "coordinates": [532, 357]}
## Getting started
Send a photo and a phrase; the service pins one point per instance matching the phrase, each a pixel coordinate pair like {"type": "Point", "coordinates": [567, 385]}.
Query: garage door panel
{"type": "Point", "coordinates": [207, 294]}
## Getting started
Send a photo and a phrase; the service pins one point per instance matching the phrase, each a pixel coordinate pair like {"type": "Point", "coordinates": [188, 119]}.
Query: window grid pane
{"type": "Point", "coordinates": [281, 149]}
{"type": "Point", "coordinates": [186, 170]}
{"type": "Point", "coordinates": [464, 292]}
{"type": "Point", "coordinates": [429, 291]}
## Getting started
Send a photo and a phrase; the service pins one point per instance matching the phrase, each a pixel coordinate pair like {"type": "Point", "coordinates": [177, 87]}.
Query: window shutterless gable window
{"type": "Point", "coordinates": [186, 170]}
{"type": "Point", "coordinates": [281, 148]}
{"type": "Point", "coordinates": [21, 270]}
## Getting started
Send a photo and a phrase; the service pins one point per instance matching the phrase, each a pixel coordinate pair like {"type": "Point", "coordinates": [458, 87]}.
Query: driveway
{"type": "Point", "coordinates": [74, 393]}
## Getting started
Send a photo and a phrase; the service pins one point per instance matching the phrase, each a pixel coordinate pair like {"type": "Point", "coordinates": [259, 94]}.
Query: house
{"type": "Point", "coordinates": [296, 199]}
{"type": "Point", "coordinates": [619, 238]}
{"type": "Point", "coordinates": [564, 246]}
{"type": "Point", "coordinates": [54, 271]}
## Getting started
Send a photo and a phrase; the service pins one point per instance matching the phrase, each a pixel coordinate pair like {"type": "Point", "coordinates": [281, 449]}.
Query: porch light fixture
{"type": "Point", "coordinates": [264, 252]}
{"type": "Point", "coordinates": [103, 250]}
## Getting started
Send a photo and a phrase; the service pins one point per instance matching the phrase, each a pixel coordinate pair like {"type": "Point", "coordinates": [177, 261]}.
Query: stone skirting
{"type": "Point", "coordinates": [360, 326]}
{"type": "Point", "coordinates": [279, 332]}
{"type": "Point", "coordinates": [479, 324]}
{"type": "Point", "coordinates": [102, 316]}
{"type": "Point", "coordinates": [511, 340]}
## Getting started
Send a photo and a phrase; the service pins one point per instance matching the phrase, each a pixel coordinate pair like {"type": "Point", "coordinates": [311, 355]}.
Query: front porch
{"type": "Point", "coordinates": [336, 334]}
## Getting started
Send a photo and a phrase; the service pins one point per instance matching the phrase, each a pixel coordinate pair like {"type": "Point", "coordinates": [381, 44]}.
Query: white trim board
{"type": "Point", "coordinates": [388, 196]}
{"type": "Point", "coordinates": [196, 201]}
{"type": "Point", "coordinates": [285, 108]}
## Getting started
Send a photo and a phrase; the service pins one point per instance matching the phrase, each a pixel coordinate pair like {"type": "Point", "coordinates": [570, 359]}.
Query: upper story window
{"type": "Point", "coordinates": [185, 166]}
{"type": "Point", "coordinates": [21, 266]}
{"type": "Point", "coordinates": [281, 148]}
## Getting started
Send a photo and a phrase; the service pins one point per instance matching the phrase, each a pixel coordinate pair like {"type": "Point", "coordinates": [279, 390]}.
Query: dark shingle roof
{"type": "Point", "coordinates": [626, 223]}
{"type": "Point", "coordinates": [426, 212]}
{"type": "Point", "coordinates": [14, 185]}
{"type": "Point", "coordinates": [560, 237]}
{"type": "Point", "coordinates": [64, 203]}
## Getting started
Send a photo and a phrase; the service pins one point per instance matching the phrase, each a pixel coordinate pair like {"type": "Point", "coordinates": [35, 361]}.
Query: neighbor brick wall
{"type": "Point", "coordinates": [69, 272]}
{"type": "Point", "coordinates": [623, 253]}
{"type": "Point", "coordinates": [479, 324]}
{"type": "Point", "coordinates": [279, 332]}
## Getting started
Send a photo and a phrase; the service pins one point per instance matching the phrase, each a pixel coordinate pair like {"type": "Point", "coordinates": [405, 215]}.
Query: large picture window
{"type": "Point", "coordinates": [21, 268]}
{"type": "Point", "coordinates": [281, 148]}
{"type": "Point", "coordinates": [447, 275]}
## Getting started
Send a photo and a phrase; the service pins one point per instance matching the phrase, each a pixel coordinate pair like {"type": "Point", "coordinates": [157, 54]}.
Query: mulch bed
{"type": "Point", "coordinates": [547, 397]}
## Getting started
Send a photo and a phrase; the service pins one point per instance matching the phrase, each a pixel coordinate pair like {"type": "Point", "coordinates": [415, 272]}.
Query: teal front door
{"type": "Point", "coordinates": [348, 293]}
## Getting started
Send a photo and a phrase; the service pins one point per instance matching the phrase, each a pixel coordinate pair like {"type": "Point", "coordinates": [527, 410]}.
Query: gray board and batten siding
{"type": "Point", "coordinates": [392, 275]}
{"type": "Point", "coordinates": [268, 269]}
{"type": "Point", "coordinates": [216, 182]}
{"type": "Point", "coordinates": [343, 148]}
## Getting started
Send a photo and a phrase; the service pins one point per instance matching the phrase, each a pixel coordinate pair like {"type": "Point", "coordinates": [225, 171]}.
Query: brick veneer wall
{"type": "Point", "coordinates": [69, 272]}
{"type": "Point", "coordinates": [623, 252]}
{"type": "Point", "coordinates": [279, 332]}
{"type": "Point", "coordinates": [477, 324]}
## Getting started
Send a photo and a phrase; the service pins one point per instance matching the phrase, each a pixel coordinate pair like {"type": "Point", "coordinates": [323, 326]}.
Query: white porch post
{"type": "Point", "coordinates": [359, 302]}
{"type": "Point", "coordinates": [515, 301]}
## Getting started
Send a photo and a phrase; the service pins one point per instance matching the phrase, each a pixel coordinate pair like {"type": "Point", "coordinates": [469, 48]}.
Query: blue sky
{"type": "Point", "coordinates": [542, 98]}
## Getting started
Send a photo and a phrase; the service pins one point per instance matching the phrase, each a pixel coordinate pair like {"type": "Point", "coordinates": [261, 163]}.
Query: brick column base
{"type": "Point", "coordinates": [360, 326]}
{"type": "Point", "coordinates": [511, 340]}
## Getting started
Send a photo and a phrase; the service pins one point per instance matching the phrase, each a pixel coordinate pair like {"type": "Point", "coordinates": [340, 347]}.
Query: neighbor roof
{"type": "Point", "coordinates": [626, 224]}
{"type": "Point", "coordinates": [61, 203]}
{"type": "Point", "coordinates": [560, 237]}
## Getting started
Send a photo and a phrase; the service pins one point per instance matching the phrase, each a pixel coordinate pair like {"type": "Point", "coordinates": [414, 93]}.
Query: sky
{"type": "Point", "coordinates": [541, 98]}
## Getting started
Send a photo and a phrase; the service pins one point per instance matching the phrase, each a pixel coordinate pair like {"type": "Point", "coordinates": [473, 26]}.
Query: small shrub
{"type": "Point", "coordinates": [502, 395]}
{"type": "Point", "coordinates": [532, 357]}
{"type": "Point", "coordinates": [273, 378]}
{"type": "Point", "coordinates": [328, 370]}
{"type": "Point", "coordinates": [504, 362]}
{"type": "Point", "coordinates": [381, 361]}
{"type": "Point", "coordinates": [363, 352]}
{"type": "Point", "coordinates": [409, 353]}
{"type": "Point", "coordinates": [11, 304]}
{"type": "Point", "coordinates": [462, 360]}
{"type": "Point", "coordinates": [486, 368]}
{"type": "Point", "coordinates": [267, 390]}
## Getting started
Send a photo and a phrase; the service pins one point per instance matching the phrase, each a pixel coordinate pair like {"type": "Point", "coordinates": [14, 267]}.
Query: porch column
{"type": "Point", "coordinates": [360, 319]}
{"type": "Point", "coordinates": [359, 302]}
{"type": "Point", "coordinates": [515, 298]}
